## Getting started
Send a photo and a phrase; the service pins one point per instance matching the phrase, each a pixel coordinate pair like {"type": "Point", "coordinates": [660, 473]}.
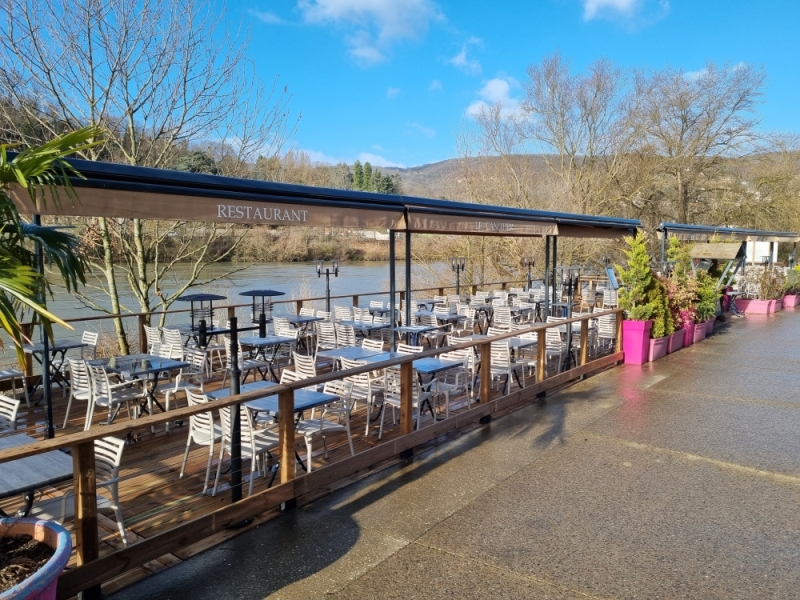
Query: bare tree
{"type": "Point", "coordinates": [160, 76]}
{"type": "Point", "coordinates": [693, 122]}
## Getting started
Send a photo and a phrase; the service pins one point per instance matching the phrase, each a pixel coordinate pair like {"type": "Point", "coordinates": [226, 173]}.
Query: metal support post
{"type": "Point", "coordinates": [46, 391]}
{"type": "Point", "coordinates": [392, 290]}
{"type": "Point", "coordinates": [236, 423]}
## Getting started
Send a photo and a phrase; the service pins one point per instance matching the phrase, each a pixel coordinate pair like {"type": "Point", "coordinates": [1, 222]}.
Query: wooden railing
{"type": "Point", "coordinates": [92, 570]}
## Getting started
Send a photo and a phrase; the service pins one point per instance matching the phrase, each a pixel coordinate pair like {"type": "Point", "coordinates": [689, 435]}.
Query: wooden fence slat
{"type": "Point", "coordinates": [86, 539]}
{"type": "Point", "coordinates": [584, 342]}
{"type": "Point", "coordinates": [486, 372]}
{"type": "Point", "coordinates": [407, 398]}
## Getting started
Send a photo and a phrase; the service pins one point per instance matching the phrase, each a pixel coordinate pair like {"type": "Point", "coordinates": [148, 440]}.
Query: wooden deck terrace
{"type": "Point", "coordinates": [156, 502]}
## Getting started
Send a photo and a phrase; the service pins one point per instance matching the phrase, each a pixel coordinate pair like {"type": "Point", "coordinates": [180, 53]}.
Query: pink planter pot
{"type": "Point", "coordinates": [658, 348]}
{"type": "Point", "coordinates": [688, 335]}
{"type": "Point", "coordinates": [636, 341]}
{"type": "Point", "coordinates": [754, 307]}
{"type": "Point", "coordinates": [675, 341]}
{"type": "Point", "coordinates": [710, 326]}
{"type": "Point", "coordinates": [42, 584]}
{"type": "Point", "coordinates": [699, 332]}
{"type": "Point", "coordinates": [790, 300]}
{"type": "Point", "coordinates": [778, 306]}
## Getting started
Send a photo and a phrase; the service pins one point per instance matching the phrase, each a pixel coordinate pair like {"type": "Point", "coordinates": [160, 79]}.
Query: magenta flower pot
{"type": "Point", "coordinates": [688, 335]}
{"type": "Point", "coordinates": [636, 341]}
{"type": "Point", "coordinates": [710, 326]}
{"type": "Point", "coordinates": [778, 306]}
{"type": "Point", "coordinates": [42, 584]}
{"type": "Point", "coordinates": [790, 300]}
{"type": "Point", "coordinates": [754, 307]}
{"type": "Point", "coordinates": [699, 332]}
{"type": "Point", "coordinates": [675, 341]}
{"type": "Point", "coordinates": [658, 348]}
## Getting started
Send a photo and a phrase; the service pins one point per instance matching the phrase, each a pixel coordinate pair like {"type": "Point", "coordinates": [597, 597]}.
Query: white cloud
{"type": "Point", "coordinates": [374, 25]}
{"type": "Point", "coordinates": [378, 161]}
{"type": "Point", "coordinates": [417, 129]}
{"type": "Point", "coordinates": [265, 17]}
{"type": "Point", "coordinates": [393, 92]}
{"type": "Point", "coordinates": [435, 86]}
{"type": "Point", "coordinates": [470, 66]}
{"type": "Point", "coordinates": [496, 92]}
{"type": "Point", "coordinates": [633, 12]}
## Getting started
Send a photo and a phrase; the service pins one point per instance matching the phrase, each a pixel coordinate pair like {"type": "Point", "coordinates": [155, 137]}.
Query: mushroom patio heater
{"type": "Point", "coordinates": [261, 312]}
{"type": "Point", "coordinates": [205, 310]}
{"type": "Point", "coordinates": [529, 263]}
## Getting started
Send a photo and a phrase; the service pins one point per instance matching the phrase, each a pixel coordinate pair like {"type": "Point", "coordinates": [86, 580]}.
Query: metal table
{"type": "Point", "coordinates": [364, 326]}
{"type": "Point", "coordinates": [412, 332]}
{"type": "Point", "coordinates": [349, 352]}
{"type": "Point", "coordinates": [26, 475]}
{"type": "Point", "coordinates": [58, 351]}
{"type": "Point", "coordinates": [139, 366]}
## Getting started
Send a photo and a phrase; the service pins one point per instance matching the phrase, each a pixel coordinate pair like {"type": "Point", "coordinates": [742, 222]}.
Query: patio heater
{"type": "Point", "coordinates": [529, 263]}
{"type": "Point", "coordinates": [458, 264]}
{"type": "Point", "coordinates": [328, 271]}
{"type": "Point", "coordinates": [203, 314]}
{"type": "Point", "coordinates": [570, 278]}
{"type": "Point", "coordinates": [261, 312]}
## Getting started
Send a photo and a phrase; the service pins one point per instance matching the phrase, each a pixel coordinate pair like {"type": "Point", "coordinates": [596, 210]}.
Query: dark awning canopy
{"type": "Point", "coordinates": [701, 233]}
{"type": "Point", "coordinates": [123, 191]}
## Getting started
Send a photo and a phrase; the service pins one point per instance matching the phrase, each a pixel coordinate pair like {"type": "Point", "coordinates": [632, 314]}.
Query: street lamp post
{"type": "Point", "coordinates": [529, 263]}
{"type": "Point", "coordinates": [328, 271]}
{"type": "Point", "coordinates": [458, 264]}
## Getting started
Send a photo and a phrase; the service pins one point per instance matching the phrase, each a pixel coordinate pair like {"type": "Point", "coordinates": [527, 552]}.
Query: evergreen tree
{"type": "Point", "coordinates": [358, 176]}
{"type": "Point", "coordinates": [636, 279]}
{"type": "Point", "coordinates": [367, 183]}
{"type": "Point", "coordinates": [197, 161]}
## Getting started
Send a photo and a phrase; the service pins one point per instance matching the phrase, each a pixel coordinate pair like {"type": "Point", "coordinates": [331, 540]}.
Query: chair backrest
{"type": "Point", "coordinates": [289, 376]}
{"type": "Point", "coordinates": [610, 298]}
{"type": "Point", "coordinates": [281, 323]}
{"type": "Point", "coordinates": [495, 331]}
{"type": "Point", "coordinates": [342, 389]}
{"type": "Point", "coordinates": [202, 422]}
{"type": "Point", "coordinates": [165, 350]}
{"type": "Point", "coordinates": [306, 312]}
{"type": "Point", "coordinates": [439, 299]}
{"type": "Point", "coordinates": [502, 316]}
{"type": "Point", "coordinates": [466, 356]}
{"type": "Point", "coordinates": [305, 366]}
{"type": "Point", "coordinates": [375, 304]}
{"type": "Point", "coordinates": [196, 359]}
{"type": "Point", "coordinates": [79, 379]}
{"type": "Point", "coordinates": [482, 295]}
{"type": "Point", "coordinates": [9, 407]}
{"type": "Point", "coordinates": [372, 344]}
{"type": "Point", "coordinates": [324, 314]}
{"type": "Point", "coordinates": [362, 381]}
{"type": "Point", "coordinates": [500, 354]}
{"type": "Point", "coordinates": [428, 320]}
{"type": "Point", "coordinates": [326, 336]}
{"type": "Point", "coordinates": [496, 302]}
{"type": "Point", "coordinates": [342, 313]}
{"type": "Point", "coordinates": [440, 309]}
{"type": "Point", "coordinates": [247, 428]}
{"type": "Point", "coordinates": [408, 349]}
{"type": "Point", "coordinates": [453, 298]}
{"type": "Point", "coordinates": [100, 385]}
{"type": "Point", "coordinates": [173, 337]}
{"type": "Point", "coordinates": [607, 326]}
{"type": "Point", "coordinates": [108, 457]}
{"type": "Point", "coordinates": [90, 338]}
{"type": "Point", "coordinates": [153, 335]}
{"type": "Point", "coordinates": [452, 340]}
{"type": "Point", "coordinates": [345, 335]}
{"type": "Point", "coordinates": [552, 335]}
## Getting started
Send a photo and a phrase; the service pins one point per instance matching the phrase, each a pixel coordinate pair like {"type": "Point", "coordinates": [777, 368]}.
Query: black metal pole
{"type": "Point", "coordinates": [202, 333]}
{"type": "Point", "coordinates": [458, 280]}
{"type": "Point", "coordinates": [664, 246]}
{"type": "Point", "coordinates": [46, 391]}
{"type": "Point", "coordinates": [392, 290]}
{"type": "Point", "coordinates": [555, 263]}
{"type": "Point", "coordinates": [546, 277]}
{"type": "Point", "coordinates": [327, 290]}
{"type": "Point", "coordinates": [236, 423]}
{"type": "Point", "coordinates": [408, 277]}
{"type": "Point", "coordinates": [262, 324]}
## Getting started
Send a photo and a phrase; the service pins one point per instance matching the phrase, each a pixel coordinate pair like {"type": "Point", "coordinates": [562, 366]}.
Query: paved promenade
{"type": "Point", "coordinates": [679, 479]}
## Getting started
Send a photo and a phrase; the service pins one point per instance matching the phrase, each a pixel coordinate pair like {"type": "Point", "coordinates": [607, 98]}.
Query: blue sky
{"type": "Point", "coordinates": [392, 81]}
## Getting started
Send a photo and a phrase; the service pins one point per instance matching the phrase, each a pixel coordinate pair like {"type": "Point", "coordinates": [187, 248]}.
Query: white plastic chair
{"type": "Point", "coordinates": [392, 396]}
{"type": "Point", "coordinates": [503, 366]}
{"type": "Point", "coordinates": [108, 456]}
{"type": "Point", "coordinates": [80, 384]}
{"type": "Point", "coordinates": [202, 431]}
{"type": "Point", "coordinates": [9, 407]}
{"type": "Point", "coordinates": [90, 338]}
{"type": "Point", "coordinates": [153, 335]}
{"type": "Point", "coordinates": [323, 427]}
{"type": "Point", "coordinates": [110, 396]}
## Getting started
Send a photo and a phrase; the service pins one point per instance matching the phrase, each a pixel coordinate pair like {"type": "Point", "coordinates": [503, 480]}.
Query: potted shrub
{"type": "Point", "coordinates": [663, 324]}
{"type": "Point", "coordinates": [791, 287]}
{"type": "Point", "coordinates": [681, 293]}
{"type": "Point", "coordinates": [705, 304]}
{"type": "Point", "coordinates": [636, 280]}
{"type": "Point", "coordinates": [18, 537]}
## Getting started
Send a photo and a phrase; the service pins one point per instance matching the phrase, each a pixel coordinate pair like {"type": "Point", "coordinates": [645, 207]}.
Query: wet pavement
{"type": "Point", "coordinates": [678, 479]}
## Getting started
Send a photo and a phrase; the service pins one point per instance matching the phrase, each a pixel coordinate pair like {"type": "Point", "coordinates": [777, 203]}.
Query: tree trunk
{"type": "Point", "coordinates": [113, 292]}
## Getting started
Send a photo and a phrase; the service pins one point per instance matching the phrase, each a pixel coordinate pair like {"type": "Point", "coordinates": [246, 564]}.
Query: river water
{"type": "Point", "coordinates": [296, 280]}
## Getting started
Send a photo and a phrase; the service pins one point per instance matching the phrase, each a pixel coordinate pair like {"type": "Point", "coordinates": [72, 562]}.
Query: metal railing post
{"type": "Point", "coordinates": [541, 355]}
{"type": "Point", "coordinates": [407, 398]}
{"type": "Point", "coordinates": [286, 434]}
{"type": "Point", "coordinates": [584, 358]}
